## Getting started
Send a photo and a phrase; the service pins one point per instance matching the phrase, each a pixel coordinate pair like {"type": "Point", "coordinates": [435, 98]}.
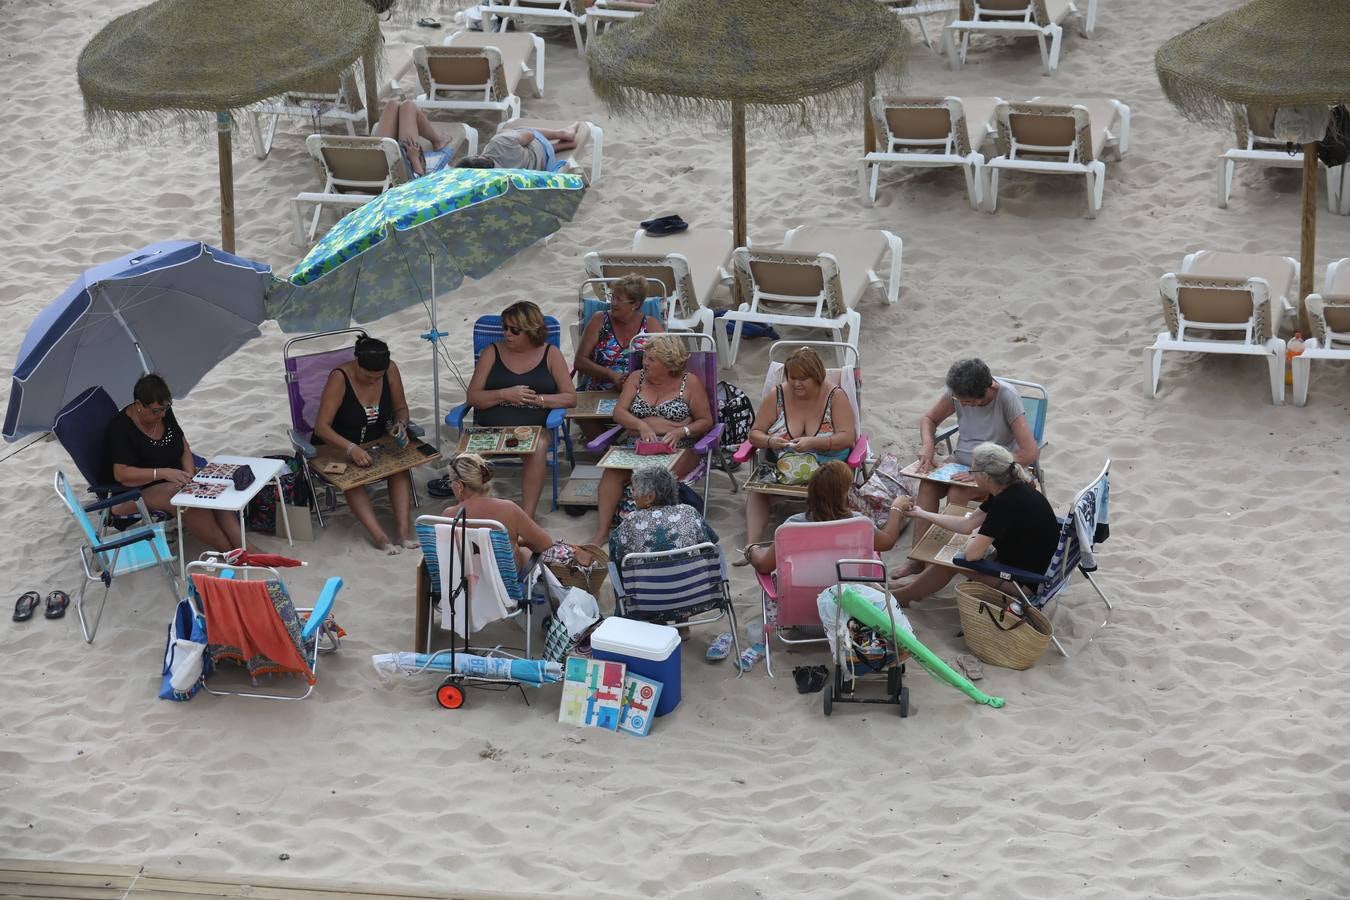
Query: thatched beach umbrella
{"type": "Point", "coordinates": [787, 62]}
{"type": "Point", "coordinates": [184, 59]}
{"type": "Point", "coordinates": [1287, 54]}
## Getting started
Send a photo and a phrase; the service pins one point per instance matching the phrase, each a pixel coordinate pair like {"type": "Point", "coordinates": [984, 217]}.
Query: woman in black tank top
{"type": "Point", "coordinates": [361, 400]}
{"type": "Point", "coordinates": [517, 381]}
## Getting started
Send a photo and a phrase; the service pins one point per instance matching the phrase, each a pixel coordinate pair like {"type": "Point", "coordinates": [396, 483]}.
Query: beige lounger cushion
{"type": "Point", "coordinates": [801, 274]}
{"type": "Point", "coordinates": [516, 49]}
{"type": "Point", "coordinates": [857, 250]}
{"type": "Point", "coordinates": [707, 249]}
{"type": "Point", "coordinates": [1102, 116]}
{"type": "Point", "coordinates": [1277, 271]}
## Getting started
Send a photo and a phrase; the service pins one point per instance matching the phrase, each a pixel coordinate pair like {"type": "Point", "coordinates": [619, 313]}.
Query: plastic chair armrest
{"type": "Point", "coordinates": [556, 419]}
{"type": "Point", "coordinates": [768, 585]}
{"type": "Point", "coordinates": [605, 439]}
{"type": "Point", "coordinates": [998, 570]}
{"type": "Point", "coordinates": [945, 436]}
{"type": "Point", "coordinates": [302, 444]}
{"type": "Point", "coordinates": [709, 440]}
{"type": "Point", "coordinates": [127, 495]}
{"type": "Point", "coordinates": [859, 454]}
{"type": "Point", "coordinates": [743, 452]}
{"type": "Point", "coordinates": [126, 539]}
{"type": "Point", "coordinates": [455, 417]}
{"type": "Point", "coordinates": [322, 607]}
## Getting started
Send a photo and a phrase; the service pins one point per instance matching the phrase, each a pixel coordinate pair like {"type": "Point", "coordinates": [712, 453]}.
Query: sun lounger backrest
{"type": "Point", "coordinates": [1330, 316]}
{"type": "Point", "coordinates": [444, 70]}
{"type": "Point", "coordinates": [339, 89]}
{"type": "Point", "coordinates": [1058, 132]}
{"type": "Point", "coordinates": [362, 165]}
{"type": "Point", "coordinates": [784, 274]}
{"type": "Point", "coordinates": [1202, 299]}
{"type": "Point", "coordinates": [917, 123]}
{"type": "Point", "coordinates": [1031, 10]}
{"type": "Point", "coordinates": [672, 273]}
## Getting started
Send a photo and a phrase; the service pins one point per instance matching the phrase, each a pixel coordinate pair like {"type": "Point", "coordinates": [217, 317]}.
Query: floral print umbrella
{"type": "Point", "coordinates": [384, 256]}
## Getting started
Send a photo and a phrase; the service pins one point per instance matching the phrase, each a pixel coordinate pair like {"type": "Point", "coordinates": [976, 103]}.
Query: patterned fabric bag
{"type": "Point", "coordinates": [735, 412]}
{"type": "Point", "coordinates": [873, 499]}
{"type": "Point", "coordinates": [261, 512]}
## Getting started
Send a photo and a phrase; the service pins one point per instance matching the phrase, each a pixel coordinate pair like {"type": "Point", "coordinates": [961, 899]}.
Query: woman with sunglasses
{"type": "Point", "coordinates": [149, 450]}
{"type": "Point", "coordinates": [516, 381]}
{"type": "Point", "coordinates": [362, 400]}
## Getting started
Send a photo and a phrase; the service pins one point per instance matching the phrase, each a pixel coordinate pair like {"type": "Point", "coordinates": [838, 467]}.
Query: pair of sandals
{"type": "Point", "coordinates": [57, 602]}
{"type": "Point", "coordinates": [720, 649]}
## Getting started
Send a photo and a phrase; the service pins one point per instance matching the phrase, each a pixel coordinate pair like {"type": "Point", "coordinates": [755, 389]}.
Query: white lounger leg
{"type": "Point", "coordinates": [1224, 187]}
{"type": "Point", "coordinates": [1302, 366]}
{"type": "Point", "coordinates": [1276, 363]}
{"type": "Point", "coordinates": [1056, 36]}
{"type": "Point", "coordinates": [990, 189]}
{"type": "Point", "coordinates": [736, 336]}
{"type": "Point", "coordinates": [1096, 183]}
{"type": "Point", "coordinates": [1153, 366]}
{"type": "Point", "coordinates": [974, 177]}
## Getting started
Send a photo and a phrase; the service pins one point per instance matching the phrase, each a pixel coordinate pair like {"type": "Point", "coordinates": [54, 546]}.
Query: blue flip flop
{"type": "Point", "coordinates": [751, 655]}
{"type": "Point", "coordinates": [720, 647]}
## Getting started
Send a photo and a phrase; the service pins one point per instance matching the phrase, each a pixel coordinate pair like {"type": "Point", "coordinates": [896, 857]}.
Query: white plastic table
{"type": "Point", "coordinates": [265, 472]}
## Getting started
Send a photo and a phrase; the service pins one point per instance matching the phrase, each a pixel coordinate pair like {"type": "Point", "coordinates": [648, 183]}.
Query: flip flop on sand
{"type": "Point", "coordinates": [57, 601]}
{"type": "Point", "coordinates": [751, 655]}
{"type": "Point", "coordinates": [810, 679]}
{"type": "Point", "coordinates": [970, 666]}
{"type": "Point", "coordinates": [720, 647]}
{"type": "Point", "coordinates": [24, 606]}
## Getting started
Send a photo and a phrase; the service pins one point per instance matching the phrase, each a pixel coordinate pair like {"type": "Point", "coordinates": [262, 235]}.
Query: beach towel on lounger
{"type": "Point", "coordinates": [253, 623]}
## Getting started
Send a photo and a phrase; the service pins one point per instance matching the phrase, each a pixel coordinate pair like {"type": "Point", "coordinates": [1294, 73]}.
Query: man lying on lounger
{"type": "Point", "coordinates": [524, 148]}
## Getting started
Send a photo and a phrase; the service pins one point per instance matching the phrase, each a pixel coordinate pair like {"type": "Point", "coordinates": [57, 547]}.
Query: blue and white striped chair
{"type": "Point", "coordinates": [1085, 526]}
{"type": "Point", "coordinates": [675, 587]}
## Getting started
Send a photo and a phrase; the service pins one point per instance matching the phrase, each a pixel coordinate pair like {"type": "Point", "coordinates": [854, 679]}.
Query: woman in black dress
{"type": "Point", "coordinates": [149, 450]}
{"type": "Point", "coordinates": [363, 400]}
{"type": "Point", "coordinates": [516, 381]}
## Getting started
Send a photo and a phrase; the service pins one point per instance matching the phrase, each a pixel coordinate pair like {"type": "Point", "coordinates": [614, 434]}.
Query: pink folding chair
{"type": "Point", "coordinates": [806, 553]}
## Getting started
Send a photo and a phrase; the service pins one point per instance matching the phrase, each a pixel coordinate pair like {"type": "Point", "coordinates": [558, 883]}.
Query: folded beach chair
{"type": "Point", "coordinates": [479, 71]}
{"type": "Point", "coordinates": [688, 265]}
{"type": "Point", "coordinates": [498, 589]}
{"type": "Point", "coordinates": [825, 271]}
{"type": "Point", "coordinates": [590, 141]}
{"type": "Point", "coordinates": [1329, 312]}
{"type": "Point", "coordinates": [806, 554]}
{"type": "Point", "coordinates": [926, 132]}
{"type": "Point", "coordinates": [1040, 19]}
{"type": "Point", "coordinates": [1235, 301]}
{"type": "Point", "coordinates": [333, 98]}
{"type": "Point", "coordinates": [541, 13]}
{"type": "Point", "coordinates": [104, 558]}
{"type": "Point", "coordinates": [1085, 526]}
{"type": "Point", "coordinates": [1062, 137]}
{"type": "Point", "coordinates": [604, 13]}
{"type": "Point", "coordinates": [307, 371]}
{"type": "Point", "coordinates": [847, 377]}
{"type": "Point", "coordinates": [675, 587]}
{"type": "Point", "coordinates": [1254, 128]}
{"type": "Point", "coordinates": [486, 331]}
{"type": "Point", "coordinates": [252, 621]}
{"type": "Point", "coordinates": [357, 169]}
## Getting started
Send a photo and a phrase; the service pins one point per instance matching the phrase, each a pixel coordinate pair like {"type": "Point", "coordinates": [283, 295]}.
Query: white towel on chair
{"type": "Point", "coordinates": [487, 598]}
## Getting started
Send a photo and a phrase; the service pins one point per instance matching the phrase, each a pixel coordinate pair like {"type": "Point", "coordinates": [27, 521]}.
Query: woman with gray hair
{"type": "Point", "coordinates": [1016, 522]}
{"type": "Point", "coordinates": [661, 521]}
{"type": "Point", "coordinates": [986, 409]}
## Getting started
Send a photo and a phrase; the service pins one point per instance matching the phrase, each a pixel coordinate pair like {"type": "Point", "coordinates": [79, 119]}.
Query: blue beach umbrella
{"type": "Point", "coordinates": [176, 308]}
{"type": "Point", "coordinates": [419, 240]}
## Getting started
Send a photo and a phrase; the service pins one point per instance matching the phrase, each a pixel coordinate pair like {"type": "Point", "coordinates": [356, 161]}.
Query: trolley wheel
{"type": "Point", "coordinates": [450, 696]}
{"type": "Point", "coordinates": [828, 697]}
{"type": "Point", "coordinates": [904, 703]}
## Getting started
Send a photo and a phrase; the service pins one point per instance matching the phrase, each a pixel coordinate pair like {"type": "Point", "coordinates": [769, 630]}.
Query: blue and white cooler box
{"type": "Point", "coordinates": [650, 650]}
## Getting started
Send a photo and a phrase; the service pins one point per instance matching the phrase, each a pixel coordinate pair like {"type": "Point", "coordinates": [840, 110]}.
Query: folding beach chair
{"type": "Point", "coordinates": [1254, 129]}
{"type": "Point", "coordinates": [331, 98]}
{"type": "Point", "coordinates": [806, 554]}
{"type": "Point", "coordinates": [846, 377]}
{"type": "Point", "coordinates": [478, 71]}
{"type": "Point", "coordinates": [687, 586]}
{"type": "Point", "coordinates": [590, 142]}
{"type": "Point", "coordinates": [524, 587]}
{"type": "Point", "coordinates": [1329, 312]}
{"type": "Point", "coordinates": [252, 621]}
{"type": "Point", "coordinates": [703, 364]}
{"type": "Point", "coordinates": [593, 297]}
{"type": "Point", "coordinates": [307, 372]}
{"type": "Point", "coordinates": [1226, 303]}
{"type": "Point", "coordinates": [822, 270]}
{"type": "Point", "coordinates": [1058, 137]}
{"type": "Point", "coordinates": [486, 331]}
{"type": "Point", "coordinates": [1041, 19]}
{"type": "Point", "coordinates": [928, 132]}
{"type": "Point", "coordinates": [105, 558]}
{"type": "Point", "coordinates": [541, 13]}
{"type": "Point", "coordinates": [1085, 525]}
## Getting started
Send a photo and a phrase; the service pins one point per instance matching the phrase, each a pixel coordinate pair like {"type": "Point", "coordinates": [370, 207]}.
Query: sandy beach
{"type": "Point", "coordinates": [1191, 750]}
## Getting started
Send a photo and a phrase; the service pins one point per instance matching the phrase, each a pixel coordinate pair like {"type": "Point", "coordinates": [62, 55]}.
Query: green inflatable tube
{"type": "Point", "coordinates": [851, 602]}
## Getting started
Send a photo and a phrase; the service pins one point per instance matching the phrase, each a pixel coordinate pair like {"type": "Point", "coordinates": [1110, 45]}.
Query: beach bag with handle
{"type": "Point", "coordinates": [995, 633]}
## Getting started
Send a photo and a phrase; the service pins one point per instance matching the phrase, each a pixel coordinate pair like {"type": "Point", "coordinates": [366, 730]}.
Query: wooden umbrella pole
{"type": "Point", "coordinates": [372, 92]}
{"type": "Point", "coordinates": [738, 171]}
{"type": "Point", "coordinates": [226, 181]}
{"type": "Point", "coordinates": [1308, 243]}
{"type": "Point", "coordinates": [869, 127]}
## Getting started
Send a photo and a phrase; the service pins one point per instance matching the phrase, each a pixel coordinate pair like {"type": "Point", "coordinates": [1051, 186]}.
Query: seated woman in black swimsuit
{"type": "Point", "coordinates": [516, 381]}
{"type": "Point", "coordinates": [663, 403]}
{"type": "Point", "coordinates": [149, 450]}
{"type": "Point", "coordinates": [362, 400]}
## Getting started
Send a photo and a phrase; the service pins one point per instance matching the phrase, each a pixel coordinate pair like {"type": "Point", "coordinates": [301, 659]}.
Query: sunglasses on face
{"type": "Point", "coordinates": [514, 330]}
{"type": "Point", "coordinates": [159, 409]}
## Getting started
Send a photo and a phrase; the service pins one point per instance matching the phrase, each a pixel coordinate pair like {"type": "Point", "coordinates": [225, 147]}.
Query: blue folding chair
{"type": "Point", "coordinates": [487, 330]}
{"type": "Point", "coordinates": [105, 559]}
{"type": "Point", "coordinates": [1085, 526]}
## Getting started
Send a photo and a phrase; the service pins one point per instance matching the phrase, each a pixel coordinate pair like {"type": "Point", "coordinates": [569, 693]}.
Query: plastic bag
{"type": "Point", "coordinates": [578, 611]}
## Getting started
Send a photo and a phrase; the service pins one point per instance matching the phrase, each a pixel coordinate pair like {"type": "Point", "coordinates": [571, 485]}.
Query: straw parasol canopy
{"type": "Point", "coordinates": [788, 63]}
{"type": "Point", "coordinates": [185, 59]}
{"type": "Point", "coordinates": [1286, 54]}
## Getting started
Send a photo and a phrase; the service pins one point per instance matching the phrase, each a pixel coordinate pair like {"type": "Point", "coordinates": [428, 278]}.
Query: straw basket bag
{"type": "Point", "coordinates": [571, 573]}
{"type": "Point", "coordinates": [994, 633]}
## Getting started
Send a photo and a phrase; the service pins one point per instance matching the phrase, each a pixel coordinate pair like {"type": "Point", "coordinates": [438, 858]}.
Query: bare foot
{"type": "Point", "coordinates": [391, 550]}
{"type": "Point", "coordinates": [567, 137]}
{"type": "Point", "coordinates": [912, 567]}
{"type": "Point", "coordinates": [410, 543]}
